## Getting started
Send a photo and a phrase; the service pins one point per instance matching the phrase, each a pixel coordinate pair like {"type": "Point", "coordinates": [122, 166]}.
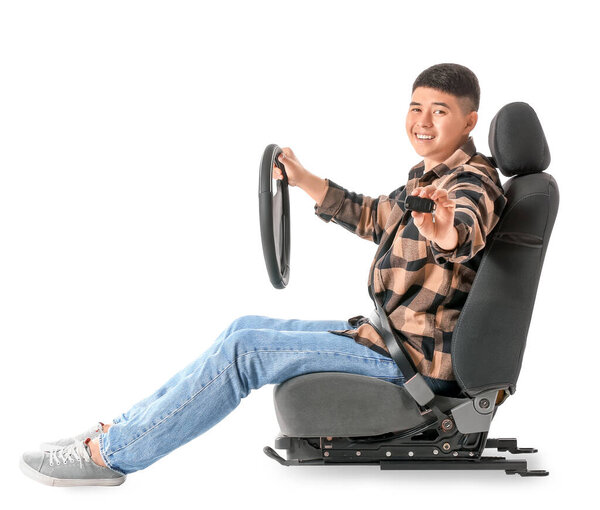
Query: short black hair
{"type": "Point", "coordinates": [453, 79]}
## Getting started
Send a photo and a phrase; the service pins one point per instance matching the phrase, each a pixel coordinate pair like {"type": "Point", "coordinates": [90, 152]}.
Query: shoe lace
{"type": "Point", "coordinates": [71, 453]}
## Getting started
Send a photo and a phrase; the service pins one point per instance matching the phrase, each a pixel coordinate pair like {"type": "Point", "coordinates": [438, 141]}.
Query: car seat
{"type": "Point", "coordinates": [333, 418]}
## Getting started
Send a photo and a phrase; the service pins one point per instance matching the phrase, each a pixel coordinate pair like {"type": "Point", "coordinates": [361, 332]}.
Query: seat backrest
{"type": "Point", "coordinates": [489, 338]}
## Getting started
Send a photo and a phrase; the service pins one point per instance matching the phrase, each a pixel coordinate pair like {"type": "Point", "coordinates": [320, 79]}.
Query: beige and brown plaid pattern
{"type": "Point", "coordinates": [422, 288]}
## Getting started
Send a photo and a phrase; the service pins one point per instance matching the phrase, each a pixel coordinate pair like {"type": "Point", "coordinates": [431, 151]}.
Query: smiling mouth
{"type": "Point", "coordinates": [423, 137]}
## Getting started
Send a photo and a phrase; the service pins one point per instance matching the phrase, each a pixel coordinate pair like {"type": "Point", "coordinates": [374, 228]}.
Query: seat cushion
{"type": "Point", "coordinates": [339, 404]}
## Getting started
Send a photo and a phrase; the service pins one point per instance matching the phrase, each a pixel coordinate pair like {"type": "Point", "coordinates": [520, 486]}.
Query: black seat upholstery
{"type": "Point", "coordinates": [489, 338]}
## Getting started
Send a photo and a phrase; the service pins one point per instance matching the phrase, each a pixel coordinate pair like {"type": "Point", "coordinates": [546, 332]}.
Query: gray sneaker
{"type": "Point", "coordinates": [92, 432]}
{"type": "Point", "coordinates": [68, 467]}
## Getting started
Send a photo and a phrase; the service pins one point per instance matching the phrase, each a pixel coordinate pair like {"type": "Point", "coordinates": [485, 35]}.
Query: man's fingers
{"type": "Point", "coordinates": [417, 217]}
{"type": "Point", "coordinates": [419, 192]}
{"type": "Point", "coordinates": [424, 222]}
{"type": "Point", "coordinates": [429, 191]}
{"type": "Point", "coordinates": [426, 191]}
{"type": "Point", "coordinates": [440, 196]}
{"type": "Point", "coordinates": [287, 152]}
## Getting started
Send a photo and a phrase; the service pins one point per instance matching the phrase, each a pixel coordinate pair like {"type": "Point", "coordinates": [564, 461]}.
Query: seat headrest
{"type": "Point", "coordinates": [517, 141]}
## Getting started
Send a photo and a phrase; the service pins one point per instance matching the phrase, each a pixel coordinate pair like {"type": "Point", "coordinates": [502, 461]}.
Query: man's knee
{"type": "Point", "coordinates": [244, 349]}
{"type": "Point", "coordinates": [246, 322]}
{"type": "Point", "coordinates": [242, 341]}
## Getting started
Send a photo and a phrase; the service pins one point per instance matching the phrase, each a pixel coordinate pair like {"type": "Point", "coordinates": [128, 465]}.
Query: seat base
{"type": "Point", "coordinates": [401, 454]}
{"type": "Point", "coordinates": [347, 405]}
{"type": "Point", "coordinates": [338, 418]}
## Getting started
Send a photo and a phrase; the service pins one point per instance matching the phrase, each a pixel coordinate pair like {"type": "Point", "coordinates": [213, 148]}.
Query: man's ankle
{"type": "Point", "coordinates": [95, 449]}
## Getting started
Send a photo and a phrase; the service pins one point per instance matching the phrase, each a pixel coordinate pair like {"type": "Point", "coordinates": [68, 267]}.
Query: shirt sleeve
{"type": "Point", "coordinates": [479, 204]}
{"type": "Point", "coordinates": [362, 215]}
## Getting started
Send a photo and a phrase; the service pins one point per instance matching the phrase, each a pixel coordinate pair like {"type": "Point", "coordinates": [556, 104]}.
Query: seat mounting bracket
{"type": "Point", "coordinates": [387, 454]}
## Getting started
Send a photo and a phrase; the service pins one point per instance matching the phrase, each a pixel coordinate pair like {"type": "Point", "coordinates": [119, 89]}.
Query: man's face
{"type": "Point", "coordinates": [437, 125]}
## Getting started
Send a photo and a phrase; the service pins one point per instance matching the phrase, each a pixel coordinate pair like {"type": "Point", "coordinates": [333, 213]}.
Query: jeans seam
{"type": "Point", "coordinates": [104, 458]}
{"type": "Point", "coordinates": [173, 413]}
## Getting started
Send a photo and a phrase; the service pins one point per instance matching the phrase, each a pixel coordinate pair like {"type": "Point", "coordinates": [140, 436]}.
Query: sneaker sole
{"type": "Point", "coordinates": [74, 482]}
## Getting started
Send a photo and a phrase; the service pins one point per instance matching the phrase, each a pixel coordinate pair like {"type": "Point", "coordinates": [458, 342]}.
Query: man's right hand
{"type": "Point", "coordinates": [293, 168]}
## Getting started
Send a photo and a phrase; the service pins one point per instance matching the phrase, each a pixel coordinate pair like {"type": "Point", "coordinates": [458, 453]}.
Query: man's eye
{"type": "Point", "coordinates": [416, 110]}
{"type": "Point", "coordinates": [440, 111]}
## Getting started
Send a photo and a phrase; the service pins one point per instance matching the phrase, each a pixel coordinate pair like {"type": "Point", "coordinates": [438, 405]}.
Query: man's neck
{"type": "Point", "coordinates": [432, 163]}
{"type": "Point", "coordinates": [429, 164]}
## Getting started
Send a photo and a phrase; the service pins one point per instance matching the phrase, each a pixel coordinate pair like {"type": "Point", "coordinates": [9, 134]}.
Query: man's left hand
{"type": "Point", "coordinates": [442, 231]}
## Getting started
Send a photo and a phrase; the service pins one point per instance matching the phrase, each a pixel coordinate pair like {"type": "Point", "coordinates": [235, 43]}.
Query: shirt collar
{"type": "Point", "coordinates": [459, 157]}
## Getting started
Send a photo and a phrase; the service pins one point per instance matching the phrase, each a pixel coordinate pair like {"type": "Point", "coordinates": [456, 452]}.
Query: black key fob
{"type": "Point", "coordinates": [419, 204]}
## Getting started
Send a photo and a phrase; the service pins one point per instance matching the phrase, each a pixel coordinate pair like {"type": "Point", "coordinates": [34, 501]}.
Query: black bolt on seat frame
{"type": "Point", "coordinates": [332, 418]}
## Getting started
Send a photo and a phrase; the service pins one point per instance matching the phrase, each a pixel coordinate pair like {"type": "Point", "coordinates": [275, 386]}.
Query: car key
{"type": "Point", "coordinates": [419, 204]}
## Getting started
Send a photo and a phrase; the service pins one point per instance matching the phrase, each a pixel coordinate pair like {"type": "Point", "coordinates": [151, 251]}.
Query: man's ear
{"type": "Point", "coordinates": [471, 121]}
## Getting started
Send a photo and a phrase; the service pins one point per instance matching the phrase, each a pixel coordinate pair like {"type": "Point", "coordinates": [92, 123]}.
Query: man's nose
{"type": "Point", "coordinates": [425, 119]}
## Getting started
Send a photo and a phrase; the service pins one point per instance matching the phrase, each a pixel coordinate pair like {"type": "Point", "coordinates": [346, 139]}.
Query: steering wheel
{"type": "Point", "coordinates": [274, 211]}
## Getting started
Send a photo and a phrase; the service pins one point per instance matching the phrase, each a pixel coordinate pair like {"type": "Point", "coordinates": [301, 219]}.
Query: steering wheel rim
{"type": "Point", "coordinates": [274, 212]}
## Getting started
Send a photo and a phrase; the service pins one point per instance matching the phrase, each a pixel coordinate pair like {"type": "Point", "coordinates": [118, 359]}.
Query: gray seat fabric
{"type": "Point", "coordinates": [347, 405]}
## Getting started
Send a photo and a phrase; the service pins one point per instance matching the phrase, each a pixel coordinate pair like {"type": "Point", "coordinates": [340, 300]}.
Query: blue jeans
{"type": "Point", "coordinates": [253, 351]}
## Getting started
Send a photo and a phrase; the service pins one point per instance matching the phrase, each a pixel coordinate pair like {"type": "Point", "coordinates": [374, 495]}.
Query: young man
{"type": "Point", "coordinates": [422, 280]}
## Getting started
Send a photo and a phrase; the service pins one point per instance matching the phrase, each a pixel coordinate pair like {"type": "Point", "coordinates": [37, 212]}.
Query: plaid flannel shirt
{"type": "Point", "coordinates": [421, 287]}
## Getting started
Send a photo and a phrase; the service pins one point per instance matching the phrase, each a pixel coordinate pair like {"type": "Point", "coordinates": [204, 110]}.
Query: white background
{"type": "Point", "coordinates": [130, 138]}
